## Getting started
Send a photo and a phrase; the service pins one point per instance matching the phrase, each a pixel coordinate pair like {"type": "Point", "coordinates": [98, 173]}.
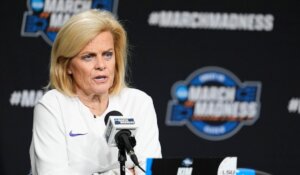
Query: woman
{"type": "Point", "coordinates": [87, 77]}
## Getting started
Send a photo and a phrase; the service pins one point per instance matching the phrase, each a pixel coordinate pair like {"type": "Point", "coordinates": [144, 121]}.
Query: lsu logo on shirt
{"type": "Point", "coordinates": [46, 17]}
{"type": "Point", "coordinates": [213, 103]}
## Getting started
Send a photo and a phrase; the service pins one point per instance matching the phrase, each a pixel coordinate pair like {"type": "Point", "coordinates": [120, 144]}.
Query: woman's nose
{"type": "Point", "coordinates": [100, 64]}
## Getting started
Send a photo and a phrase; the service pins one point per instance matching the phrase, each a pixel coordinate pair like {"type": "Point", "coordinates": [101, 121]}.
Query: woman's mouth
{"type": "Point", "coordinates": [100, 78]}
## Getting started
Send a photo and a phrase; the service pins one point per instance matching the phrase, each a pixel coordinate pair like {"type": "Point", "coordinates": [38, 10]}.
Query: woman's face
{"type": "Point", "coordinates": [94, 67]}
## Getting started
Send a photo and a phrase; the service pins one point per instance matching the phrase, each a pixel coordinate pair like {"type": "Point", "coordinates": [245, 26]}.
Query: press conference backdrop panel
{"type": "Point", "coordinates": [223, 75]}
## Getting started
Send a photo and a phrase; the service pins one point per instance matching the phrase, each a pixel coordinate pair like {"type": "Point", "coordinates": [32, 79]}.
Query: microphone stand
{"type": "Point", "coordinates": [121, 143]}
{"type": "Point", "coordinates": [122, 159]}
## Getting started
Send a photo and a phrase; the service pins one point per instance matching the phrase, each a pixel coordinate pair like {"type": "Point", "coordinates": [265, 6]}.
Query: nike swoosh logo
{"type": "Point", "coordinates": [76, 134]}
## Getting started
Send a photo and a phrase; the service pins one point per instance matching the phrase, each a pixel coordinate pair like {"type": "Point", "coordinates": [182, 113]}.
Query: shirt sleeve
{"type": "Point", "coordinates": [148, 145]}
{"type": "Point", "coordinates": [114, 172]}
{"type": "Point", "coordinates": [48, 151]}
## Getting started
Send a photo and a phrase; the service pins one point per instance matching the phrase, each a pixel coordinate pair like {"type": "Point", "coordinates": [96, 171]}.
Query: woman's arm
{"type": "Point", "coordinates": [48, 150]}
{"type": "Point", "coordinates": [148, 145]}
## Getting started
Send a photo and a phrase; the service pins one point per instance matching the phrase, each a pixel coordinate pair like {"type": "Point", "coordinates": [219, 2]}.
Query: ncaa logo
{"type": "Point", "coordinates": [213, 103]}
{"type": "Point", "coordinates": [46, 17]}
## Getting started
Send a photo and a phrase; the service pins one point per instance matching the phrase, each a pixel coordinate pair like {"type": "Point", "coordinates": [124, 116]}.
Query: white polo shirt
{"type": "Point", "coordinates": [67, 139]}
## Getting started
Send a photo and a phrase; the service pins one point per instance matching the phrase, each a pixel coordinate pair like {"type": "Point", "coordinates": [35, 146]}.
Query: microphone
{"type": "Point", "coordinates": [120, 132]}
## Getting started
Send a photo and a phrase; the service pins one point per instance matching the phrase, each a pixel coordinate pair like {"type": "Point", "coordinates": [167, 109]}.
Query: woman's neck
{"type": "Point", "coordinates": [97, 104]}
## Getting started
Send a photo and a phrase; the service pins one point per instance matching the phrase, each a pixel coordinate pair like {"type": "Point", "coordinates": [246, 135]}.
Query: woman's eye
{"type": "Point", "coordinates": [108, 55]}
{"type": "Point", "coordinates": [87, 57]}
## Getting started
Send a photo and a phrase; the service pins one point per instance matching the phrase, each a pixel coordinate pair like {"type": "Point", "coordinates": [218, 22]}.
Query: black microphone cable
{"type": "Point", "coordinates": [124, 137]}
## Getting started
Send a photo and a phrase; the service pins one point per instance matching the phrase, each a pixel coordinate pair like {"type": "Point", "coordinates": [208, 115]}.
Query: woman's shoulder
{"type": "Point", "coordinates": [53, 95]}
{"type": "Point", "coordinates": [133, 92]}
{"type": "Point", "coordinates": [131, 95]}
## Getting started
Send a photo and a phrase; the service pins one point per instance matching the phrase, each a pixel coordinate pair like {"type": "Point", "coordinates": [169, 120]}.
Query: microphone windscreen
{"type": "Point", "coordinates": [111, 113]}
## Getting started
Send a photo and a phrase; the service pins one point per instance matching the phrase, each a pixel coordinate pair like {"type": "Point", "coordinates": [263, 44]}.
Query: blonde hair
{"type": "Point", "coordinates": [75, 34]}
